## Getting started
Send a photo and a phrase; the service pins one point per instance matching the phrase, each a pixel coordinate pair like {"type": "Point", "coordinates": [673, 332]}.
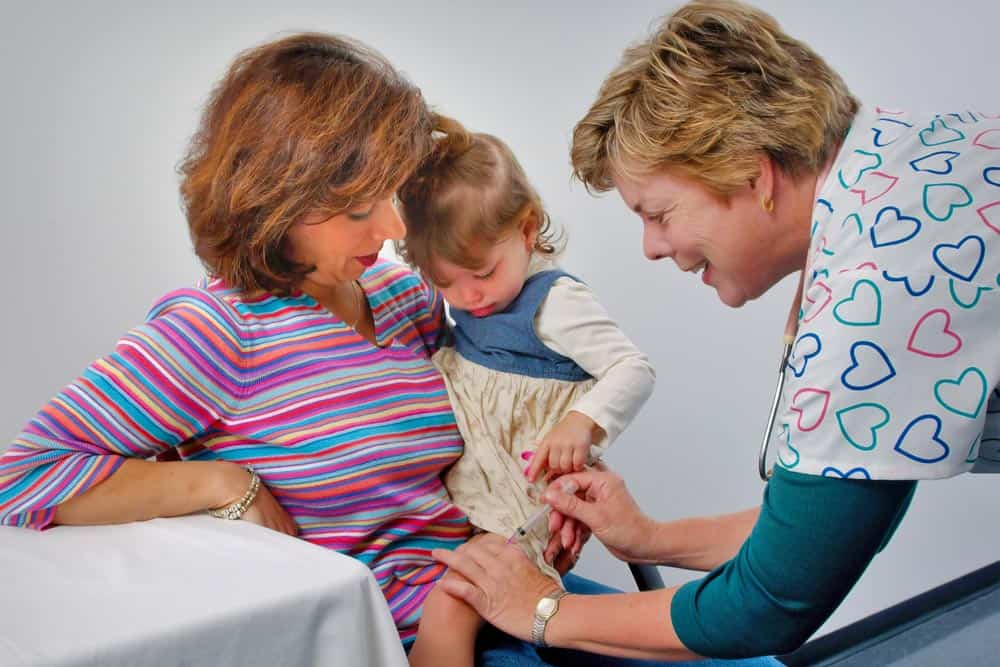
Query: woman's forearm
{"type": "Point", "coordinates": [703, 543]}
{"type": "Point", "coordinates": [142, 489]}
{"type": "Point", "coordinates": [632, 625]}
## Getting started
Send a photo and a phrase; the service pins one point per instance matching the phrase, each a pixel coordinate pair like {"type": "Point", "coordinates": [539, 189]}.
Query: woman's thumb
{"type": "Point", "coordinates": [560, 495]}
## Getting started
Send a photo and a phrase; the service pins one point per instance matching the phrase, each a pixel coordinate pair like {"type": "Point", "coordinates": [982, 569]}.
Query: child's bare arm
{"type": "Point", "coordinates": [447, 633]}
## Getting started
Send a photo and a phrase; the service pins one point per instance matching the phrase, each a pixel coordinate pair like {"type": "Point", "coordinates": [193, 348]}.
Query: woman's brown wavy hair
{"type": "Point", "coordinates": [309, 123]}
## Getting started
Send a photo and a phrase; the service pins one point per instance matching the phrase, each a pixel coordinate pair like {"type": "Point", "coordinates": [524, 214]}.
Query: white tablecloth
{"type": "Point", "coordinates": [187, 591]}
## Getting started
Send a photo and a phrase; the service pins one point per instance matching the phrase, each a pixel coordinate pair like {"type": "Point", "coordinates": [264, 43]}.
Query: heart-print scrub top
{"type": "Point", "coordinates": [895, 367]}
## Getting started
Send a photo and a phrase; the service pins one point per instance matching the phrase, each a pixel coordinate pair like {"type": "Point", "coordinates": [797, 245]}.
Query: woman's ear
{"type": "Point", "coordinates": [763, 185]}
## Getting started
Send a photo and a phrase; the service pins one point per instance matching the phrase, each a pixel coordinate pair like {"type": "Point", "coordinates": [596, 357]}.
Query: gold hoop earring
{"type": "Point", "coordinates": [767, 204]}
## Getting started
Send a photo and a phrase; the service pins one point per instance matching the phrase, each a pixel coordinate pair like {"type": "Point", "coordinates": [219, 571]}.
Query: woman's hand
{"type": "Point", "coordinates": [605, 506]}
{"type": "Point", "coordinates": [265, 510]}
{"type": "Point", "coordinates": [502, 584]}
{"type": "Point", "coordinates": [268, 512]}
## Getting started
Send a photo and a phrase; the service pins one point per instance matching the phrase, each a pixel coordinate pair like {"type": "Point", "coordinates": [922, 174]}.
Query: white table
{"type": "Point", "coordinates": [187, 591]}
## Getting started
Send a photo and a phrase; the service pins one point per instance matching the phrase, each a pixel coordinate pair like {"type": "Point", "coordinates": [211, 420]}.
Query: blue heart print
{"type": "Point", "coordinates": [991, 173]}
{"type": "Point", "coordinates": [938, 162]}
{"type": "Point", "coordinates": [960, 119]}
{"type": "Point", "coordinates": [857, 473]}
{"type": "Point", "coordinates": [874, 369]}
{"type": "Point", "coordinates": [860, 311]}
{"type": "Point", "coordinates": [867, 418]}
{"type": "Point", "coordinates": [966, 304]}
{"type": "Point", "coordinates": [820, 217]}
{"type": "Point", "coordinates": [923, 449]}
{"type": "Point", "coordinates": [906, 284]}
{"type": "Point", "coordinates": [893, 230]}
{"type": "Point", "coordinates": [806, 347]}
{"type": "Point", "coordinates": [961, 404]}
{"type": "Point", "coordinates": [957, 258]}
{"type": "Point", "coordinates": [894, 132]}
{"type": "Point", "coordinates": [938, 133]}
{"type": "Point", "coordinates": [820, 273]}
{"type": "Point", "coordinates": [957, 196]}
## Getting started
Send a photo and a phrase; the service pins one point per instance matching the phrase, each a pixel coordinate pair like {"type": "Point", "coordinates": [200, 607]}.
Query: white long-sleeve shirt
{"type": "Point", "coordinates": [574, 324]}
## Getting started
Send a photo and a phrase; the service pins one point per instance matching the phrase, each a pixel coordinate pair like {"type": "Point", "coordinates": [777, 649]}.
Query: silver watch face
{"type": "Point", "coordinates": [546, 607]}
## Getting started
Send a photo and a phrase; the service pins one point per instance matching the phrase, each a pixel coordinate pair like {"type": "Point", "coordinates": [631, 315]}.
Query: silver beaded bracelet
{"type": "Point", "coordinates": [238, 509]}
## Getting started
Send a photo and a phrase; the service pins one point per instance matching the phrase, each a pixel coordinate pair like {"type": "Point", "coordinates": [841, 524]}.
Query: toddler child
{"type": "Point", "coordinates": [538, 371]}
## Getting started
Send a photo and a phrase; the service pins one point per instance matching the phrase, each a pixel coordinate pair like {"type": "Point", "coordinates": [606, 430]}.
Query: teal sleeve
{"type": "Point", "coordinates": [812, 541]}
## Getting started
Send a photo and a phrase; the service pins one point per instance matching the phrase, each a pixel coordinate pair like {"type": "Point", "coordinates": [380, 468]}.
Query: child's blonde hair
{"type": "Point", "coordinates": [466, 196]}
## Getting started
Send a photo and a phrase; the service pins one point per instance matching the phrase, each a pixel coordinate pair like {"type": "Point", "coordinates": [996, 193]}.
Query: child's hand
{"type": "Point", "coordinates": [566, 447]}
{"type": "Point", "coordinates": [567, 537]}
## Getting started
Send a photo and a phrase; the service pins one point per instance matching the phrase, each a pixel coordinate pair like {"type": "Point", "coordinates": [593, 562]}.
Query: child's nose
{"type": "Point", "coordinates": [472, 295]}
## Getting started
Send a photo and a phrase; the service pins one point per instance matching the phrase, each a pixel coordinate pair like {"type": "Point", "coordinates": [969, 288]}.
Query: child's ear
{"type": "Point", "coordinates": [529, 228]}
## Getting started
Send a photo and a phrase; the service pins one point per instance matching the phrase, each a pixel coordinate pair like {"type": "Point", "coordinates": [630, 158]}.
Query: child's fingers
{"type": "Point", "coordinates": [580, 539]}
{"type": "Point", "coordinates": [567, 532]}
{"type": "Point", "coordinates": [553, 548]}
{"type": "Point", "coordinates": [553, 464]}
{"type": "Point", "coordinates": [538, 460]}
{"type": "Point", "coordinates": [569, 527]}
{"type": "Point", "coordinates": [556, 520]}
{"type": "Point", "coordinates": [566, 460]}
{"type": "Point", "coordinates": [580, 458]}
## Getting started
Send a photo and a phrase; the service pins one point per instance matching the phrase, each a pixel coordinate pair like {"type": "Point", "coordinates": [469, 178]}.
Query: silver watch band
{"type": "Point", "coordinates": [539, 622]}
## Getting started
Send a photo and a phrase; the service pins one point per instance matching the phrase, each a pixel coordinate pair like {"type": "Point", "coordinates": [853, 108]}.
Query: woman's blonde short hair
{"type": "Point", "coordinates": [718, 84]}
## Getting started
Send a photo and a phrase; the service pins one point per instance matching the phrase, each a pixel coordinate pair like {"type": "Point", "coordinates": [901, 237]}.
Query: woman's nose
{"type": "Point", "coordinates": [654, 245]}
{"type": "Point", "coordinates": [390, 226]}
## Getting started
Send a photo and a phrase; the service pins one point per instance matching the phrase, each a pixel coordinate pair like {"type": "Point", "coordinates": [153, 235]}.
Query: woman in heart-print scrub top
{"type": "Point", "coordinates": [748, 159]}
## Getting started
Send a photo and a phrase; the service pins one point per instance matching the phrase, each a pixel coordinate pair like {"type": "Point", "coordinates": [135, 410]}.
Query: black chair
{"type": "Point", "coordinates": [647, 577]}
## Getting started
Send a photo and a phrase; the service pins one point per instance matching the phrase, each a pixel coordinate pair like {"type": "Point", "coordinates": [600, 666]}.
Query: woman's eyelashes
{"type": "Point", "coordinates": [360, 215]}
{"type": "Point", "coordinates": [660, 217]}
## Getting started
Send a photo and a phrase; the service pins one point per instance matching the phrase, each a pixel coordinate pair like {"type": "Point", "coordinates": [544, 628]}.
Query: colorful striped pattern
{"type": "Point", "coordinates": [349, 437]}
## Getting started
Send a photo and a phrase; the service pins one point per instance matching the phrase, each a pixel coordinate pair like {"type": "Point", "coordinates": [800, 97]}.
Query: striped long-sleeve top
{"type": "Point", "coordinates": [350, 437]}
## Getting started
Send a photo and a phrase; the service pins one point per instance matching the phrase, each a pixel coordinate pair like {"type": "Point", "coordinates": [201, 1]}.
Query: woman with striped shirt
{"type": "Point", "coordinates": [302, 361]}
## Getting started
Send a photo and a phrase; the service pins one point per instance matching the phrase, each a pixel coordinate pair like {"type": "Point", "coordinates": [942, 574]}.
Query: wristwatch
{"type": "Point", "coordinates": [545, 610]}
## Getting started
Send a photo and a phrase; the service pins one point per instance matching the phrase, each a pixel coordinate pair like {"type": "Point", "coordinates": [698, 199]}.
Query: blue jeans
{"type": "Point", "coordinates": [496, 649]}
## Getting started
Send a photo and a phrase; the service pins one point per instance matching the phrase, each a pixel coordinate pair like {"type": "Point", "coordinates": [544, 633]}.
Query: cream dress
{"type": "Point", "coordinates": [501, 416]}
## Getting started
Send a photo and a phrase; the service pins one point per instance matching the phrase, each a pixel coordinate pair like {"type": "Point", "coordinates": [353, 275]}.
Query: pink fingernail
{"type": "Point", "coordinates": [527, 455]}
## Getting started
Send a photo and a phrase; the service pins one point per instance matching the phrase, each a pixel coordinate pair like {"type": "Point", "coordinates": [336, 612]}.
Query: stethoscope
{"type": "Point", "coordinates": [791, 329]}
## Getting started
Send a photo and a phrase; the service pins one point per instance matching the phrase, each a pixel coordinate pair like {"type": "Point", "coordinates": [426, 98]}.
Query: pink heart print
{"type": "Point", "coordinates": [803, 401]}
{"type": "Point", "coordinates": [933, 336]}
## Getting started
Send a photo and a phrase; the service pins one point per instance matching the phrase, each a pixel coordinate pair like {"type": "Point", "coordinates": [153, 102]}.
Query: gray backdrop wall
{"type": "Point", "coordinates": [99, 99]}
